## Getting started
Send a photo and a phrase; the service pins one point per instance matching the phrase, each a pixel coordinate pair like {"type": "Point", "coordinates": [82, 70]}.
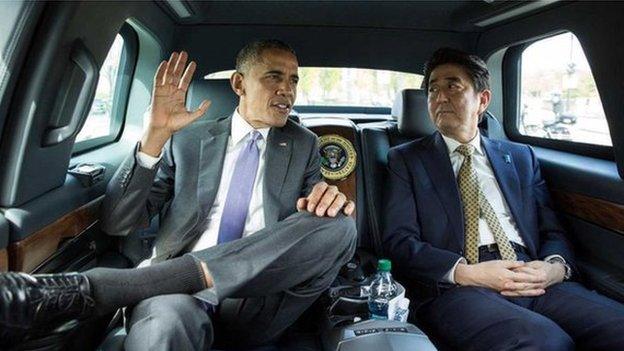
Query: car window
{"type": "Point", "coordinates": [99, 121]}
{"type": "Point", "coordinates": [327, 86]}
{"type": "Point", "coordinates": [559, 98]}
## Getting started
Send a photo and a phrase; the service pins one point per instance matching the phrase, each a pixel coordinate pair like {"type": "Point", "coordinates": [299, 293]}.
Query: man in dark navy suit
{"type": "Point", "coordinates": [468, 222]}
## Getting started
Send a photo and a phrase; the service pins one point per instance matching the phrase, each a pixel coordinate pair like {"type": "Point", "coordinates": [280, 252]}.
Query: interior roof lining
{"type": "Point", "coordinates": [376, 28]}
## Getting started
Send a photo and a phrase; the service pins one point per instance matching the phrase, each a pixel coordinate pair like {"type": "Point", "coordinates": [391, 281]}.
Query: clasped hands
{"type": "Point", "coordinates": [511, 278]}
{"type": "Point", "coordinates": [325, 200]}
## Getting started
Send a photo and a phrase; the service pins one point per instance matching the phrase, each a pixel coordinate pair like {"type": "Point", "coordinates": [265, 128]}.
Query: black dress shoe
{"type": "Point", "coordinates": [34, 303]}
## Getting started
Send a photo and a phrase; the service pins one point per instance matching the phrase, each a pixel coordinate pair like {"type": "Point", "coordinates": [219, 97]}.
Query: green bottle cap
{"type": "Point", "coordinates": [384, 265]}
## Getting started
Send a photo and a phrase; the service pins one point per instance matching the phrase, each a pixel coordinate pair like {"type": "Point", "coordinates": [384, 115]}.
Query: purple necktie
{"type": "Point", "coordinates": [239, 193]}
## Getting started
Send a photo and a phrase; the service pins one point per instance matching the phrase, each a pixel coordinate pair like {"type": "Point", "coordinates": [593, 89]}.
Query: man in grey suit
{"type": "Point", "coordinates": [250, 229]}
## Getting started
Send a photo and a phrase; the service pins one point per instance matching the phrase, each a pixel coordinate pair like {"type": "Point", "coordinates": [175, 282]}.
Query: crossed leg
{"type": "Point", "coordinates": [267, 279]}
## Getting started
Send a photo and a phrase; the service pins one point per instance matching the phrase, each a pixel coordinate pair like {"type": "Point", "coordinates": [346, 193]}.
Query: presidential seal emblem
{"type": "Point", "coordinates": [338, 157]}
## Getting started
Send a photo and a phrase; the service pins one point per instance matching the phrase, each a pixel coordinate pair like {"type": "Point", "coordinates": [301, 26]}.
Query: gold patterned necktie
{"type": "Point", "coordinates": [475, 205]}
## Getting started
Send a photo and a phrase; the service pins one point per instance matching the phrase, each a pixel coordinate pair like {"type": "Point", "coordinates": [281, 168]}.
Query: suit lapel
{"type": "Point", "coordinates": [211, 154]}
{"type": "Point", "coordinates": [438, 165]}
{"type": "Point", "coordinates": [505, 172]}
{"type": "Point", "coordinates": [278, 153]}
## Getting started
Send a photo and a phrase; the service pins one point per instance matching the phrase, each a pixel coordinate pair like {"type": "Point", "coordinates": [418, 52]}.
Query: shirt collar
{"type": "Point", "coordinates": [241, 128]}
{"type": "Point", "coordinates": [452, 144]}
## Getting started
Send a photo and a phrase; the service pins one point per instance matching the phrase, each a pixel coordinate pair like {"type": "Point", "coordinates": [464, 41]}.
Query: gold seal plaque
{"type": "Point", "coordinates": [338, 157]}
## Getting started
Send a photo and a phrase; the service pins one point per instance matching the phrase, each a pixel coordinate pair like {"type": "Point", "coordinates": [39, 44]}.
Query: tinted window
{"type": "Point", "coordinates": [322, 86]}
{"type": "Point", "coordinates": [559, 98]}
{"type": "Point", "coordinates": [99, 121]}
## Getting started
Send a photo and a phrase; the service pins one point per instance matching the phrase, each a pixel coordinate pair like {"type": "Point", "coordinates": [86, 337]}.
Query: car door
{"type": "Point", "coordinates": [559, 79]}
{"type": "Point", "coordinates": [72, 82]}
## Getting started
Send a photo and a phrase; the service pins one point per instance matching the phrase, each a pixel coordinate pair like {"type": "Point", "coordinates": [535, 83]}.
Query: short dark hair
{"type": "Point", "coordinates": [251, 52]}
{"type": "Point", "coordinates": [473, 64]}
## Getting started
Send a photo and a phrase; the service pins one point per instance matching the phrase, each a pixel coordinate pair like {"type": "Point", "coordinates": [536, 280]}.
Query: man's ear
{"type": "Point", "coordinates": [484, 100]}
{"type": "Point", "coordinates": [236, 81]}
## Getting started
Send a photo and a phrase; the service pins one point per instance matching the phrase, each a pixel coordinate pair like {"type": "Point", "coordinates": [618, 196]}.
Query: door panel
{"type": "Point", "coordinates": [60, 229]}
{"type": "Point", "coordinates": [606, 214]}
{"type": "Point", "coordinates": [589, 196]}
{"type": "Point", "coordinates": [33, 250]}
{"type": "Point", "coordinates": [600, 258]}
{"type": "Point", "coordinates": [4, 241]}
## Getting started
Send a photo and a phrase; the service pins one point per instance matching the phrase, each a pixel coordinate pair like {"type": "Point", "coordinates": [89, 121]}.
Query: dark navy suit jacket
{"type": "Point", "coordinates": [424, 226]}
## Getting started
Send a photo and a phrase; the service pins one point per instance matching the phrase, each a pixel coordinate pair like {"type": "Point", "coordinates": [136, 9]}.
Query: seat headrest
{"type": "Point", "coordinates": [219, 91]}
{"type": "Point", "coordinates": [491, 127]}
{"type": "Point", "coordinates": [410, 110]}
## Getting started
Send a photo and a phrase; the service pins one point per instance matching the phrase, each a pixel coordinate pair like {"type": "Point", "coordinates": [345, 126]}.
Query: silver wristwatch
{"type": "Point", "coordinates": [568, 269]}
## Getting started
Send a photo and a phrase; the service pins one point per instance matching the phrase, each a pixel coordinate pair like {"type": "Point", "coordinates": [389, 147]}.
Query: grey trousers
{"type": "Point", "coordinates": [262, 284]}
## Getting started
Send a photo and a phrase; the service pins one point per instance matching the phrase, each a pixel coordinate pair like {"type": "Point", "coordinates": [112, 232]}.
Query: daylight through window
{"type": "Point", "coordinates": [98, 123]}
{"type": "Point", "coordinates": [559, 98]}
{"type": "Point", "coordinates": [357, 87]}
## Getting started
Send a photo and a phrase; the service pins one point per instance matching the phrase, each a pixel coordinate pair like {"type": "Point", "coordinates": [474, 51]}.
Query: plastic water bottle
{"type": "Point", "coordinates": [382, 290]}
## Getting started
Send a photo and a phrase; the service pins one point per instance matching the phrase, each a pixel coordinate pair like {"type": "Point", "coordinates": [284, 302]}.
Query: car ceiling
{"type": "Point", "coordinates": [393, 35]}
{"type": "Point", "coordinates": [450, 16]}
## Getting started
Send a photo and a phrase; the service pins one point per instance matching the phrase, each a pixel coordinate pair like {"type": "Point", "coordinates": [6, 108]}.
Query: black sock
{"type": "Point", "coordinates": [114, 288]}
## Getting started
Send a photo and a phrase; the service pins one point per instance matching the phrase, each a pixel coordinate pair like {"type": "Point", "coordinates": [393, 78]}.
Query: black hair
{"type": "Point", "coordinates": [251, 52]}
{"type": "Point", "coordinates": [473, 64]}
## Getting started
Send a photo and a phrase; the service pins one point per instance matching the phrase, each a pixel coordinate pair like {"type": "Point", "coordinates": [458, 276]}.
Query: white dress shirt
{"type": "Point", "coordinates": [240, 133]}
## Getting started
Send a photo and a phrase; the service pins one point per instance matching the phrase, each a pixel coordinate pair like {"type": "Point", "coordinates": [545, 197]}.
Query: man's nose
{"type": "Point", "coordinates": [286, 89]}
{"type": "Point", "coordinates": [441, 96]}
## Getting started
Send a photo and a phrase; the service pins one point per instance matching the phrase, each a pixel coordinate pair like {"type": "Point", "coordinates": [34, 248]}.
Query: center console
{"type": "Point", "coordinates": [346, 325]}
{"type": "Point", "coordinates": [376, 335]}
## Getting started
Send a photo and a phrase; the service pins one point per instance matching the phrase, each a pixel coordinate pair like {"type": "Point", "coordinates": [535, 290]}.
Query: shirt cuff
{"type": "Point", "coordinates": [146, 161]}
{"type": "Point", "coordinates": [449, 277]}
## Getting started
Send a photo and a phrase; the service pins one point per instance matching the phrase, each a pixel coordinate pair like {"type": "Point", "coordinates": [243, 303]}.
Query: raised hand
{"type": "Point", "coordinates": [168, 112]}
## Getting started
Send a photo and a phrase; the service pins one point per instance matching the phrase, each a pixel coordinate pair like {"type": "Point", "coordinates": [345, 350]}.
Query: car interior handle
{"type": "Point", "coordinates": [75, 94]}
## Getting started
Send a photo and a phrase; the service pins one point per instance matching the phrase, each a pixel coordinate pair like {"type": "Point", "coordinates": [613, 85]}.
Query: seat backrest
{"type": "Point", "coordinates": [412, 122]}
{"type": "Point", "coordinates": [410, 111]}
{"type": "Point", "coordinates": [219, 91]}
{"type": "Point", "coordinates": [491, 127]}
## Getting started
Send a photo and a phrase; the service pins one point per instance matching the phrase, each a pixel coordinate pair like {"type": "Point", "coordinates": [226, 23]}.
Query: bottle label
{"type": "Point", "coordinates": [378, 308]}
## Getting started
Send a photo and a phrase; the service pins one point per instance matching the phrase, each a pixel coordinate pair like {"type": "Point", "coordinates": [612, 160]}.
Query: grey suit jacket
{"type": "Point", "coordinates": [185, 182]}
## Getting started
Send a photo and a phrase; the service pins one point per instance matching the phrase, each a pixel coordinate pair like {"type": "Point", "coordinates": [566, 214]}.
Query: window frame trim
{"type": "Point", "coordinates": [512, 89]}
{"type": "Point", "coordinates": [125, 74]}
